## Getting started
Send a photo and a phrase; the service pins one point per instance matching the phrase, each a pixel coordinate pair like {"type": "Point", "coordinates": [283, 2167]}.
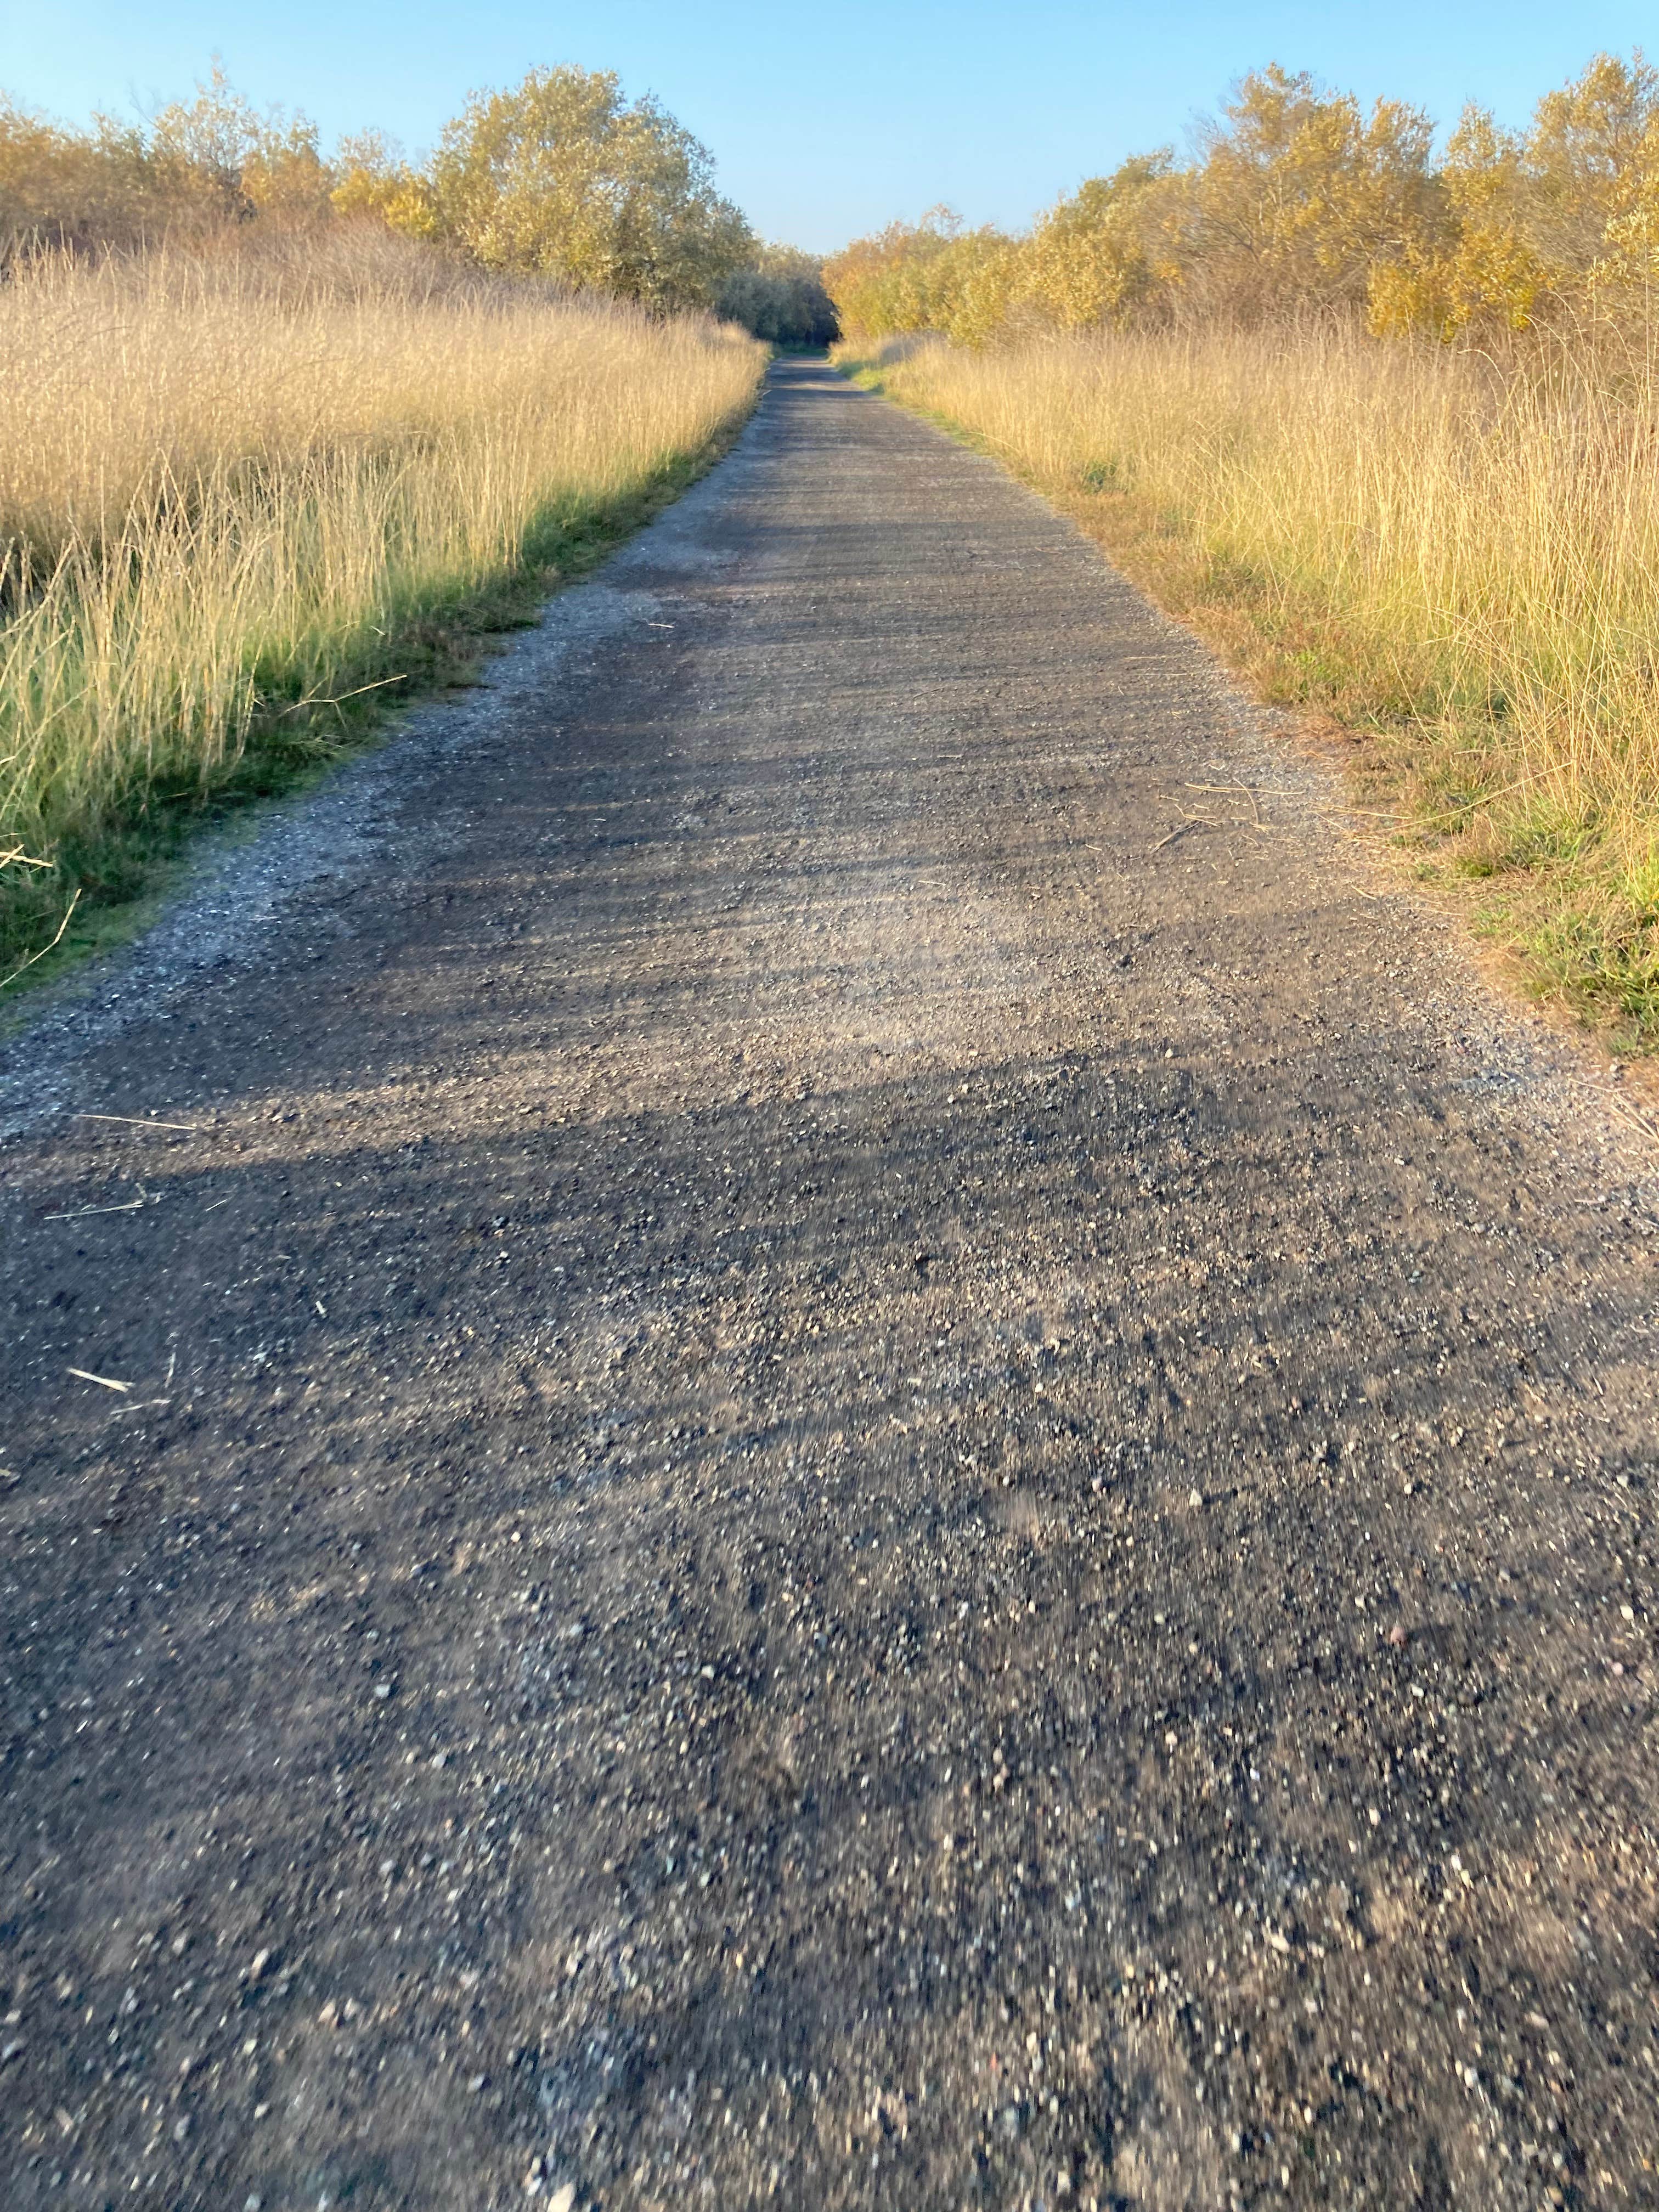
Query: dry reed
{"type": "Point", "coordinates": [236, 487]}
{"type": "Point", "coordinates": [1459, 549]}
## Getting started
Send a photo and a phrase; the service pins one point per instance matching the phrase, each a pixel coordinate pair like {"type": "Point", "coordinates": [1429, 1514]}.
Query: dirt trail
{"type": "Point", "coordinates": [835, 1287]}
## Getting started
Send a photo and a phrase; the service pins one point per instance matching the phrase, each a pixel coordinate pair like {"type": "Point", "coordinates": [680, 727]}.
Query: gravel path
{"type": "Point", "coordinates": [880, 1449]}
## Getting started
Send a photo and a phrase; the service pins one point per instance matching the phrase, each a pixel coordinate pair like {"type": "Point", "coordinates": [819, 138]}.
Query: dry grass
{"type": "Point", "coordinates": [1457, 554]}
{"type": "Point", "coordinates": [241, 495]}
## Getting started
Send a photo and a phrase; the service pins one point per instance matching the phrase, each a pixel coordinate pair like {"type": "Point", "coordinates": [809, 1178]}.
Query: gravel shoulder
{"type": "Point", "coordinates": [878, 1446]}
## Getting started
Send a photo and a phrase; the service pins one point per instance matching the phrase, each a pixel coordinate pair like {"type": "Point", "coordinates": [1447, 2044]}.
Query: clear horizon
{"type": "Point", "coordinates": [822, 126]}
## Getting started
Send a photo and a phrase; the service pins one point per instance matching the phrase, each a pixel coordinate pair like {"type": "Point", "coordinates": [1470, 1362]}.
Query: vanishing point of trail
{"type": "Point", "coordinates": [877, 1447]}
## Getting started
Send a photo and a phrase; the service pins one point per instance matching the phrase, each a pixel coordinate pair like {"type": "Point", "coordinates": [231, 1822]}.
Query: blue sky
{"type": "Point", "coordinates": [825, 121]}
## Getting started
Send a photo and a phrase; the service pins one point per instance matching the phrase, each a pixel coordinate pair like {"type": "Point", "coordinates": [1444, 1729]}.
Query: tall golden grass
{"type": "Point", "coordinates": [1460, 549]}
{"type": "Point", "coordinates": [236, 487]}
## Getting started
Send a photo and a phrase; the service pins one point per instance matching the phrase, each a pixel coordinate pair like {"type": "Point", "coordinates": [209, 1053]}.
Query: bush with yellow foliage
{"type": "Point", "coordinates": [560, 176]}
{"type": "Point", "coordinates": [1298, 201]}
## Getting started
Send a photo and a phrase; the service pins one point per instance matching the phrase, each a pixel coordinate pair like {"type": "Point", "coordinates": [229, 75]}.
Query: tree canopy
{"type": "Point", "coordinates": [1298, 199]}
{"type": "Point", "coordinates": [561, 177]}
{"type": "Point", "coordinates": [779, 295]}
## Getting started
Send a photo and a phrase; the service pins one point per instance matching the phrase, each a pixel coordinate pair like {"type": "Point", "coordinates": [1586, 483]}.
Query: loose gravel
{"type": "Point", "coordinates": [870, 1444]}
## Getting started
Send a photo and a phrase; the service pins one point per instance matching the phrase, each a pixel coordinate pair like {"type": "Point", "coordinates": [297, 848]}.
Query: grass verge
{"type": "Point", "coordinates": [246, 505]}
{"type": "Point", "coordinates": [1452, 560]}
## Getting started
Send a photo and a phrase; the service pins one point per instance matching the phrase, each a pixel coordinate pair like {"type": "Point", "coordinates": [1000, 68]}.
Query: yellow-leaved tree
{"type": "Point", "coordinates": [1088, 261]}
{"type": "Point", "coordinates": [210, 163]}
{"type": "Point", "coordinates": [375, 181]}
{"type": "Point", "coordinates": [561, 177]}
{"type": "Point", "coordinates": [1553, 220]}
{"type": "Point", "coordinates": [1298, 200]}
{"type": "Point", "coordinates": [1300, 196]}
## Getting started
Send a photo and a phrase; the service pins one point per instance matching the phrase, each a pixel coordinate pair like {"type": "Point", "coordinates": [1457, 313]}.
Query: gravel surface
{"type": "Point", "coordinates": [879, 1448]}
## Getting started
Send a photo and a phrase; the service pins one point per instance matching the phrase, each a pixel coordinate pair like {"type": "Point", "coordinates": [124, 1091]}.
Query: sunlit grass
{"type": "Point", "coordinates": [242, 496]}
{"type": "Point", "coordinates": [1459, 553]}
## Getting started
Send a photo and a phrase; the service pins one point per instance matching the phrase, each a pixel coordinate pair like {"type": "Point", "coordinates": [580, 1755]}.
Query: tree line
{"type": "Point", "coordinates": [560, 178]}
{"type": "Point", "coordinates": [1295, 200]}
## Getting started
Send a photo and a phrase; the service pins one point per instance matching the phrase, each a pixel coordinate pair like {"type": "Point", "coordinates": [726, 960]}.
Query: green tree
{"type": "Point", "coordinates": [779, 297]}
